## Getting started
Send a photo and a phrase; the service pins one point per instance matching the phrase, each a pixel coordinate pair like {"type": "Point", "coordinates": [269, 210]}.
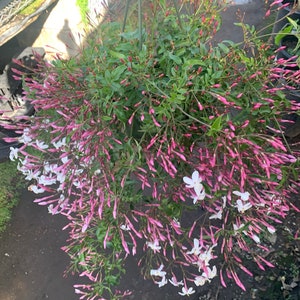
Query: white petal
{"type": "Point", "coordinates": [196, 177]}
{"type": "Point", "coordinates": [188, 181]}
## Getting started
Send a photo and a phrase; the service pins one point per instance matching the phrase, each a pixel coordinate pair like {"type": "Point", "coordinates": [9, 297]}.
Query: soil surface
{"type": "Point", "coordinates": [32, 264]}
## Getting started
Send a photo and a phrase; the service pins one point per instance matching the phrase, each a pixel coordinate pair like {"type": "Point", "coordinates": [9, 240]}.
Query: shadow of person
{"type": "Point", "coordinates": [67, 38]}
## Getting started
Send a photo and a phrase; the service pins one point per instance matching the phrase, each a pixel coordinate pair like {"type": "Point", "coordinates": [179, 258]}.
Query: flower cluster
{"type": "Point", "coordinates": [123, 136]}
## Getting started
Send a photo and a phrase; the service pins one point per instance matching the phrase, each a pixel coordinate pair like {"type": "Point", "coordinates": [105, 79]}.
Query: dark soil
{"type": "Point", "coordinates": [32, 264]}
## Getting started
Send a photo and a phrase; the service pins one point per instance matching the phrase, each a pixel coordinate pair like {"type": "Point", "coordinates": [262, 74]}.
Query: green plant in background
{"type": "Point", "coordinates": [31, 8]}
{"type": "Point", "coordinates": [10, 185]}
{"type": "Point", "coordinates": [158, 141]}
{"type": "Point", "coordinates": [84, 9]}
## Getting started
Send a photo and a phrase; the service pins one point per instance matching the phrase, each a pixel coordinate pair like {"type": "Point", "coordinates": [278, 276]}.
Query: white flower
{"type": "Point", "coordinates": [206, 276]}
{"type": "Point", "coordinates": [45, 180]}
{"type": "Point", "coordinates": [255, 238]}
{"type": "Point", "coordinates": [97, 172]}
{"type": "Point", "coordinates": [154, 245]}
{"type": "Point", "coordinates": [36, 189]}
{"type": "Point", "coordinates": [241, 206]}
{"type": "Point", "coordinates": [78, 171]}
{"type": "Point", "coordinates": [195, 183]}
{"type": "Point", "coordinates": [271, 229]}
{"type": "Point", "coordinates": [49, 168]}
{"type": "Point", "coordinates": [174, 281]}
{"type": "Point", "coordinates": [158, 272]}
{"type": "Point", "coordinates": [125, 227]}
{"type": "Point", "coordinates": [51, 211]}
{"type": "Point", "coordinates": [64, 159]}
{"type": "Point", "coordinates": [236, 228]}
{"type": "Point", "coordinates": [196, 249]}
{"type": "Point", "coordinates": [244, 196]}
{"type": "Point", "coordinates": [60, 177]}
{"type": "Point", "coordinates": [25, 138]}
{"type": "Point", "coordinates": [224, 201]}
{"type": "Point", "coordinates": [218, 215]}
{"type": "Point", "coordinates": [186, 291]}
{"type": "Point", "coordinates": [199, 197]}
{"type": "Point", "coordinates": [32, 175]}
{"type": "Point", "coordinates": [200, 280]}
{"type": "Point", "coordinates": [211, 273]}
{"type": "Point", "coordinates": [13, 153]}
{"type": "Point", "coordinates": [206, 256]}
{"type": "Point", "coordinates": [59, 143]}
{"type": "Point", "coordinates": [41, 145]}
{"type": "Point", "coordinates": [175, 220]}
{"type": "Point", "coordinates": [163, 282]}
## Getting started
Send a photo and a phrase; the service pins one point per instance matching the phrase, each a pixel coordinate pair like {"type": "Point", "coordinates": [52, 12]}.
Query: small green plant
{"type": "Point", "coordinates": [84, 9]}
{"type": "Point", "coordinates": [31, 8]}
{"type": "Point", "coordinates": [10, 185]}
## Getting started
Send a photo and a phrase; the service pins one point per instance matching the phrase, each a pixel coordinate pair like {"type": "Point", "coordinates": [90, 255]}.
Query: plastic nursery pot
{"type": "Point", "coordinates": [289, 42]}
{"type": "Point", "coordinates": [284, 12]}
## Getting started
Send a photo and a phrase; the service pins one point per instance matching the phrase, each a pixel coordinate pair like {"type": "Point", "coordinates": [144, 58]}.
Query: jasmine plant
{"type": "Point", "coordinates": [171, 148]}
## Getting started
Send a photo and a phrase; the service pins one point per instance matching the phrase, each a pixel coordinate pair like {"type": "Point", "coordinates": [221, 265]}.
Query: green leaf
{"type": "Point", "coordinates": [224, 48]}
{"type": "Point", "coordinates": [118, 71]}
{"type": "Point", "coordinates": [193, 62]}
{"type": "Point", "coordinates": [117, 54]}
{"type": "Point", "coordinates": [216, 126]}
{"type": "Point", "coordinates": [175, 58]}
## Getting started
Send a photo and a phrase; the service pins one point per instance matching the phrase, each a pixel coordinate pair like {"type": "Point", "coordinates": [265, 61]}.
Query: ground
{"type": "Point", "coordinates": [32, 264]}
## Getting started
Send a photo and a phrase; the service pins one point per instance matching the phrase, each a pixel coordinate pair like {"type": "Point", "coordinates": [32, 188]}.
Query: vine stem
{"type": "Point", "coordinates": [140, 24]}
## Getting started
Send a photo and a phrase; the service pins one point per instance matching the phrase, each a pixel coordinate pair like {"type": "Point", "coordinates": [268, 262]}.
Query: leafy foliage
{"type": "Point", "coordinates": [119, 128]}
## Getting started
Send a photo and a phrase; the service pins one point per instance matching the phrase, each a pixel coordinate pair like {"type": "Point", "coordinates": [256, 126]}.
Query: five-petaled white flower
{"type": "Point", "coordinates": [64, 159]}
{"type": "Point", "coordinates": [200, 280]}
{"type": "Point", "coordinates": [242, 206]}
{"type": "Point", "coordinates": [125, 227]}
{"type": "Point", "coordinates": [32, 175]}
{"type": "Point", "coordinates": [211, 273]}
{"type": "Point", "coordinates": [174, 281]}
{"type": "Point", "coordinates": [244, 196]}
{"type": "Point", "coordinates": [154, 245]}
{"type": "Point", "coordinates": [199, 197]}
{"type": "Point", "coordinates": [158, 272]}
{"type": "Point", "coordinates": [196, 249]}
{"type": "Point", "coordinates": [13, 153]}
{"type": "Point", "coordinates": [236, 228]}
{"type": "Point", "coordinates": [41, 145]}
{"type": "Point", "coordinates": [36, 189]}
{"type": "Point", "coordinates": [206, 276]}
{"type": "Point", "coordinates": [206, 256]}
{"type": "Point", "coordinates": [218, 215]}
{"type": "Point", "coordinates": [25, 138]}
{"type": "Point", "coordinates": [59, 143]}
{"type": "Point", "coordinates": [195, 183]}
{"type": "Point", "coordinates": [46, 180]}
{"type": "Point", "coordinates": [186, 291]}
{"type": "Point", "coordinates": [163, 282]}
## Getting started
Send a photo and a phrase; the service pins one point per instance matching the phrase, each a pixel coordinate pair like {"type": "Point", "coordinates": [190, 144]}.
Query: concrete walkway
{"type": "Point", "coordinates": [62, 32]}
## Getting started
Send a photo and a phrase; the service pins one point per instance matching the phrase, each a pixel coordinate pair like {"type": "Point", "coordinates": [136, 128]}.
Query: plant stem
{"type": "Point", "coordinates": [177, 13]}
{"type": "Point", "coordinates": [140, 24]}
{"type": "Point", "coordinates": [125, 16]}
